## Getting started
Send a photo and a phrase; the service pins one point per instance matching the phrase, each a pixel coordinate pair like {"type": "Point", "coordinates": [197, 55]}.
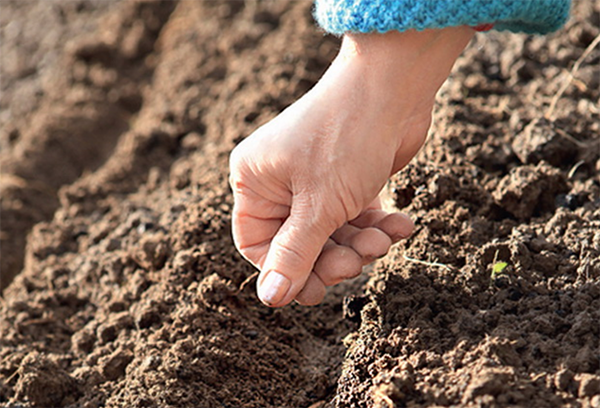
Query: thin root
{"type": "Point", "coordinates": [247, 281]}
{"type": "Point", "coordinates": [575, 168]}
{"type": "Point", "coordinates": [437, 264]}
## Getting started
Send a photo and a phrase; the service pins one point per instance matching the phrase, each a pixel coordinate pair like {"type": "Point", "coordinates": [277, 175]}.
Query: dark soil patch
{"type": "Point", "coordinates": [115, 206]}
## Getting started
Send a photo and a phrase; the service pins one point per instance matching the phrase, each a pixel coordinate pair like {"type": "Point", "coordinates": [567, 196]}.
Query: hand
{"type": "Point", "coordinates": [306, 184]}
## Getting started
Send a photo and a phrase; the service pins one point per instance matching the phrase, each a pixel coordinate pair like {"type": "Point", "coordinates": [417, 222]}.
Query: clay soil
{"type": "Point", "coordinates": [117, 121]}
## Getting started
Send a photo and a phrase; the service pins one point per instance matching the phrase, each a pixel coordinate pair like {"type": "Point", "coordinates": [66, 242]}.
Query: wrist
{"type": "Point", "coordinates": [391, 80]}
{"type": "Point", "coordinates": [399, 73]}
{"type": "Point", "coordinates": [395, 59]}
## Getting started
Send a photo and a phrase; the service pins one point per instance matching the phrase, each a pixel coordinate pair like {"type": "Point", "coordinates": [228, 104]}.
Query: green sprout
{"type": "Point", "coordinates": [498, 268]}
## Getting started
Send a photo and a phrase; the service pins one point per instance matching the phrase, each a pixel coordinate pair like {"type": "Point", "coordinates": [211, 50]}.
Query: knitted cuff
{"type": "Point", "coordinates": [366, 16]}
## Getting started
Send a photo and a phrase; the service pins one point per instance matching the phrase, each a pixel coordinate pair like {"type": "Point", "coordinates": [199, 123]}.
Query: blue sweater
{"type": "Point", "coordinates": [365, 16]}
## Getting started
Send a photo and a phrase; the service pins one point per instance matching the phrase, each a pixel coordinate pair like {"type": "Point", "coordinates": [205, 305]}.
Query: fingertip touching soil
{"type": "Point", "coordinates": [117, 121]}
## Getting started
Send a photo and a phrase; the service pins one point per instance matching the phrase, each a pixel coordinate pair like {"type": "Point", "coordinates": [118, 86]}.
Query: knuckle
{"type": "Point", "coordinates": [235, 157]}
{"type": "Point", "coordinates": [294, 257]}
{"type": "Point", "coordinates": [320, 215]}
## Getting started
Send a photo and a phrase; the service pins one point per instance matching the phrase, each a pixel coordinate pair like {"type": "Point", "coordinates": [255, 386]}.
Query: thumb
{"type": "Point", "coordinates": [292, 254]}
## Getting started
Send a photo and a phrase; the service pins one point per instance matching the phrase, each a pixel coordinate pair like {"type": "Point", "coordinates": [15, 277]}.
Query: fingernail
{"type": "Point", "coordinates": [273, 288]}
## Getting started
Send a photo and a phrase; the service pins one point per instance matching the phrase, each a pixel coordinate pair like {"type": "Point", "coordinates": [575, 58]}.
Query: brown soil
{"type": "Point", "coordinates": [117, 120]}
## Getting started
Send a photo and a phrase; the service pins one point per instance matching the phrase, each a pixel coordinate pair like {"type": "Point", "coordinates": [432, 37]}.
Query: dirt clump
{"type": "Point", "coordinates": [43, 383]}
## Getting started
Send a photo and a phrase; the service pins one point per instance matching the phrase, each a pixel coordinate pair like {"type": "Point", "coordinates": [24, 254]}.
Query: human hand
{"type": "Point", "coordinates": [306, 184]}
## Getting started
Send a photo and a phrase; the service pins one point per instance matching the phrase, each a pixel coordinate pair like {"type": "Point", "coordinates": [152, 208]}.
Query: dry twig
{"type": "Point", "coordinates": [571, 77]}
{"type": "Point", "coordinates": [570, 138]}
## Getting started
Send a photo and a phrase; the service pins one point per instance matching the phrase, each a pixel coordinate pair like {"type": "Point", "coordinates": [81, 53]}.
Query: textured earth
{"type": "Point", "coordinates": [117, 118]}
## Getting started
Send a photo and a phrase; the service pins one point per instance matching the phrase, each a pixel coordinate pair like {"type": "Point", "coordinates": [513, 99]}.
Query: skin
{"type": "Point", "coordinates": [306, 184]}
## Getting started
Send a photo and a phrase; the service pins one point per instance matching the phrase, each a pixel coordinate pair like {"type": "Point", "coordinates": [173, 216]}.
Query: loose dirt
{"type": "Point", "coordinates": [117, 121]}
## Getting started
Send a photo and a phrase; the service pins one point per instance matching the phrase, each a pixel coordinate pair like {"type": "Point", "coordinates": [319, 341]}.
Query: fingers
{"type": "Point", "coordinates": [284, 277]}
{"type": "Point", "coordinates": [396, 225]}
{"type": "Point", "coordinates": [253, 235]}
{"type": "Point", "coordinates": [343, 259]}
{"type": "Point", "coordinates": [370, 243]}
{"type": "Point", "coordinates": [313, 291]}
{"type": "Point", "coordinates": [368, 218]}
{"type": "Point", "coordinates": [250, 232]}
{"type": "Point", "coordinates": [373, 232]}
{"type": "Point", "coordinates": [294, 253]}
{"type": "Point", "coordinates": [337, 263]}
{"type": "Point", "coordinates": [255, 221]}
{"type": "Point", "coordinates": [291, 256]}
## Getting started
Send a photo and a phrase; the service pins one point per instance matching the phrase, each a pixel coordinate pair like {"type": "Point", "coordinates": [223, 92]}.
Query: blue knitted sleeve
{"type": "Point", "coordinates": [365, 16]}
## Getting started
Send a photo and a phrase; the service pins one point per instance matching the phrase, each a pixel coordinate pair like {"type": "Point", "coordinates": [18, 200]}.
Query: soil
{"type": "Point", "coordinates": [117, 121]}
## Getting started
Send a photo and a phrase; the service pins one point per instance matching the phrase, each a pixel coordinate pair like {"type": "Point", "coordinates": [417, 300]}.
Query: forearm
{"type": "Point", "coordinates": [412, 62]}
{"type": "Point", "coordinates": [395, 74]}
